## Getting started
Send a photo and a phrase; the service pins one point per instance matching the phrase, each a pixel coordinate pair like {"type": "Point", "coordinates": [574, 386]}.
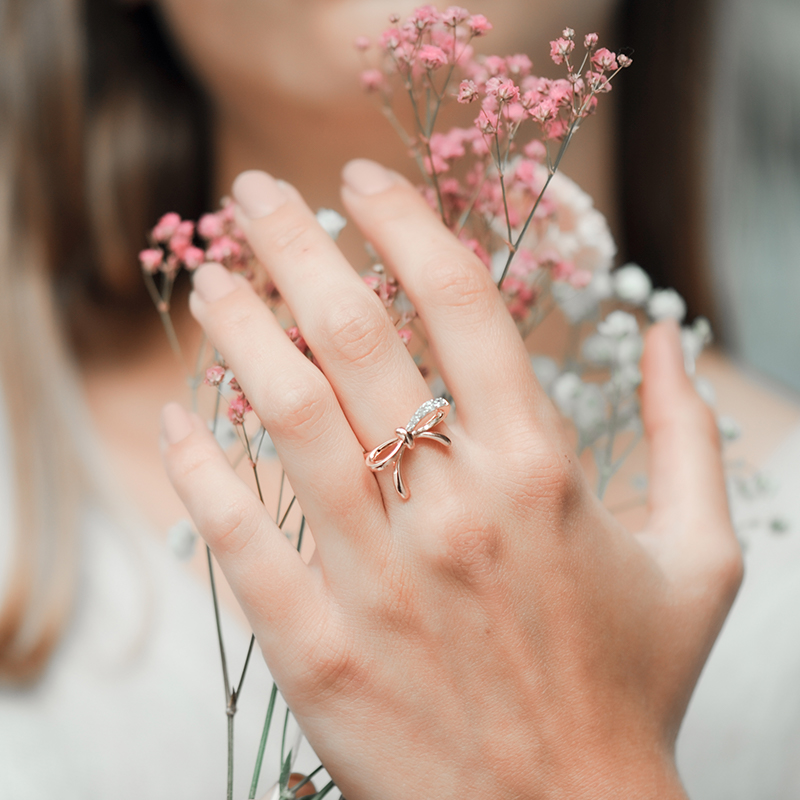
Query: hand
{"type": "Point", "coordinates": [499, 634]}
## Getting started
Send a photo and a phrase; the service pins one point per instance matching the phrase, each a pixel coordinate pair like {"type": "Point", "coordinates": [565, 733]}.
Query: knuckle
{"type": "Point", "coordinates": [552, 479]}
{"type": "Point", "coordinates": [298, 408]}
{"type": "Point", "coordinates": [454, 281]}
{"type": "Point", "coordinates": [467, 548]}
{"type": "Point", "coordinates": [358, 331]}
{"type": "Point", "coordinates": [235, 524]}
{"type": "Point", "coordinates": [329, 667]}
{"type": "Point", "coordinates": [291, 237]}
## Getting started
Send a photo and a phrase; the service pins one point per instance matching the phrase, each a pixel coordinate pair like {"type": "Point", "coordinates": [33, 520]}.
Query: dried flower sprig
{"type": "Point", "coordinates": [496, 185]}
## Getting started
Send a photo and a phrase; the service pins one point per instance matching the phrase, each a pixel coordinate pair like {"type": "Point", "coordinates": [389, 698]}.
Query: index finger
{"type": "Point", "coordinates": [475, 342]}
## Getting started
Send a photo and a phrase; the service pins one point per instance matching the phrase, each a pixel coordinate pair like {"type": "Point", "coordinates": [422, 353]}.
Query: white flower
{"type": "Point", "coordinates": [619, 324]}
{"type": "Point", "coordinates": [545, 369]}
{"type": "Point", "coordinates": [565, 391]}
{"type": "Point", "coordinates": [632, 284]}
{"type": "Point", "coordinates": [599, 350]}
{"type": "Point", "coordinates": [625, 380]}
{"type": "Point", "coordinates": [693, 341]}
{"type": "Point", "coordinates": [181, 538]}
{"type": "Point", "coordinates": [601, 286]}
{"type": "Point", "coordinates": [589, 409]}
{"type": "Point", "coordinates": [331, 222]}
{"type": "Point", "coordinates": [729, 429]}
{"type": "Point", "coordinates": [666, 304]}
{"type": "Point", "coordinates": [577, 304]}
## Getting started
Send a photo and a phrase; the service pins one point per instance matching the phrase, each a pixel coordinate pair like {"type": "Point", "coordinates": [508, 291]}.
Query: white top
{"type": "Point", "coordinates": [132, 705]}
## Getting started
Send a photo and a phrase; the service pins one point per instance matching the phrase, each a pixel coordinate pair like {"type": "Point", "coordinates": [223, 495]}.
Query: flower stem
{"type": "Point", "coordinates": [263, 744]}
{"type": "Point", "coordinates": [230, 754]}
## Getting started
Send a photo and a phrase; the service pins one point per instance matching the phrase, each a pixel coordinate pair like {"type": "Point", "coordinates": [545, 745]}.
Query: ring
{"type": "Point", "coordinates": [427, 416]}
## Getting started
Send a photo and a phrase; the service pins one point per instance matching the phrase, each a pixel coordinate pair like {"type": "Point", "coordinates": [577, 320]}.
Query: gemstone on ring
{"type": "Point", "coordinates": [427, 416]}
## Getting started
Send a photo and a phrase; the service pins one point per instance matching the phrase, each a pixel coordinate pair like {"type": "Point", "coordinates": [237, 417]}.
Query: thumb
{"type": "Point", "coordinates": [688, 500]}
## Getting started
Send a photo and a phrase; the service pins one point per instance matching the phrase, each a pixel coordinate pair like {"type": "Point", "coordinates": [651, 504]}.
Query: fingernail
{"type": "Point", "coordinates": [212, 282]}
{"type": "Point", "coordinates": [257, 194]}
{"type": "Point", "coordinates": [175, 423]}
{"type": "Point", "coordinates": [367, 177]}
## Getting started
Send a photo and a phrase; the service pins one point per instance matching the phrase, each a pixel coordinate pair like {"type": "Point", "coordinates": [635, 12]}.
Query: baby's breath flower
{"type": "Point", "coordinates": [619, 324]}
{"type": "Point", "coordinates": [151, 259]}
{"type": "Point", "coordinates": [632, 284]}
{"type": "Point", "coordinates": [666, 304]}
{"type": "Point", "coordinates": [332, 222]}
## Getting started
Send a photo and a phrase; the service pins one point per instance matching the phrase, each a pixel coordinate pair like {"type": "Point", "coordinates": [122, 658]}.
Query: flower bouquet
{"type": "Point", "coordinates": [495, 183]}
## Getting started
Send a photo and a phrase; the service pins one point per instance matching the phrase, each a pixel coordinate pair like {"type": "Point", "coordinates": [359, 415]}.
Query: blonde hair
{"type": "Point", "coordinates": [100, 132]}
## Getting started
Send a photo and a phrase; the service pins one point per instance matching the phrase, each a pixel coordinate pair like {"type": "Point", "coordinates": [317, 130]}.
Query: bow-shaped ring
{"type": "Point", "coordinates": [427, 416]}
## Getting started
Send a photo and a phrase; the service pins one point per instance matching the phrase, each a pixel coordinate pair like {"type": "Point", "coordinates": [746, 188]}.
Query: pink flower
{"type": "Point", "coordinates": [590, 41]}
{"type": "Point", "coordinates": [568, 33]}
{"type": "Point", "coordinates": [454, 15]}
{"type": "Point", "coordinates": [185, 229]}
{"type": "Point", "coordinates": [535, 150]}
{"type": "Point", "coordinates": [425, 16]}
{"type": "Point", "coordinates": [361, 43]}
{"type": "Point", "coordinates": [214, 375]}
{"type": "Point", "coordinates": [372, 80]}
{"type": "Point", "coordinates": [297, 339]}
{"type": "Point", "coordinates": [467, 92]}
{"type": "Point", "coordinates": [432, 57]}
{"type": "Point", "coordinates": [390, 39]}
{"type": "Point", "coordinates": [495, 65]}
{"type": "Point", "coordinates": [605, 60]}
{"type": "Point", "coordinates": [210, 226]}
{"type": "Point", "coordinates": [504, 90]}
{"type": "Point", "coordinates": [519, 65]}
{"type": "Point", "coordinates": [179, 244]}
{"type": "Point", "coordinates": [486, 122]}
{"type": "Point", "coordinates": [223, 248]}
{"type": "Point", "coordinates": [151, 260]}
{"type": "Point", "coordinates": [560, 49]}
{"type": "Point", "coordinates": [624, 61]}
{"type": "Point", "coordinates": [544, 111]}
{"type": "Point", "coordinates": [479, 25]}
{"type": "Point", "coordinates": [237, 408]}
{"type": "Point", "coordinates": [166, 227]}
{"type": "Point", "coordinates": [193, 257]}
{"type": "Point", "coordinates": [405, 336]}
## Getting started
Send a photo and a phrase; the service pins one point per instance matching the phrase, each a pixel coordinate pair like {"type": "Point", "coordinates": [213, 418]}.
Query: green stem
{"type": "Point", "coordinates": [263, 744]}
{"type": "Point", "coordinates": [219, 626]}
{"type": "Point", "coordinates": [237, 693]}
{"type": "Point", "coordinates": [322, 792]}
{"type": "Point", "coordinates": [230, 754]}
{"type": "Point", "coordinates": [296, 788]}
{"type": "Point", "coordinates": [283, 737]}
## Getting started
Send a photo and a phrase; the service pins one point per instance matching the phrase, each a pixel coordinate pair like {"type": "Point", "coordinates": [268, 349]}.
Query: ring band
{"type": "Point", "coordinates": [427, 416]}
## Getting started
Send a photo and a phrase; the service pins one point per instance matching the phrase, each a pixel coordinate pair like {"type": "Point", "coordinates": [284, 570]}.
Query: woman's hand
{"type": "Point", "coordinates": [497, 635]}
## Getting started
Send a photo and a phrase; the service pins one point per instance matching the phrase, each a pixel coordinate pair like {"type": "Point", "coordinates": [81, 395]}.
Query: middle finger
{"type": "Point", "coordinates": [343, 321]}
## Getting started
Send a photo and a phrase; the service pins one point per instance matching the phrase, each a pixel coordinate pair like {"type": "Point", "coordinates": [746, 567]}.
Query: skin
{"type": "Point", "coordinates": [546, 651]}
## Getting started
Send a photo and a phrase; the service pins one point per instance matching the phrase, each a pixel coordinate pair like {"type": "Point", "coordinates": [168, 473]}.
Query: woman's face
{"type": "Point", "coordinates": [249, 51]}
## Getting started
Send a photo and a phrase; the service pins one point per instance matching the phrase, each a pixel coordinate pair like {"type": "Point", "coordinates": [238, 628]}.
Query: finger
{"type": "Point", "coordinates": [688, 499]}
{"type": "Point", "coordinates": [321, 456]}
{"type": "Point", "coordinates": [274, 587]}
{"type": "Point", "coordinates": [472, 336]}
{"type": "Point", "coordinates": [344, 323]}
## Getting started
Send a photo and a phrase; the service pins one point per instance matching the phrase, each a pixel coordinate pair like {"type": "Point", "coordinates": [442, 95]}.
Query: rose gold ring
{"type": "Point", "coordinates": [427, 416]}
